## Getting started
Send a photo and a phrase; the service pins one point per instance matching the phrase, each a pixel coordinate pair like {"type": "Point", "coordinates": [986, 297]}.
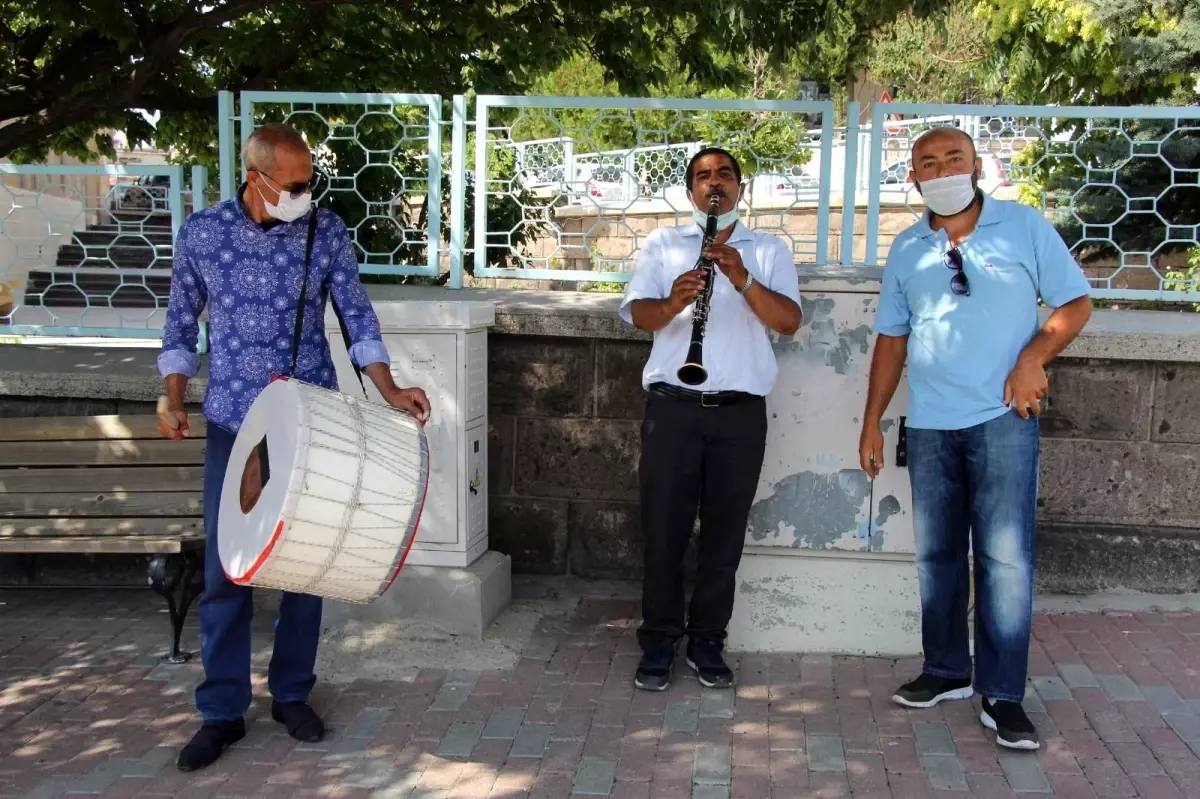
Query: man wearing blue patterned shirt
{"type": "Point", "coordinates": [243, 260]}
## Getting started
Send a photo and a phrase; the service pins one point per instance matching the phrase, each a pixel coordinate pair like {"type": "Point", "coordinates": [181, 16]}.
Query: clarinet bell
{"type": "Point", "coordinates": [692, 372]}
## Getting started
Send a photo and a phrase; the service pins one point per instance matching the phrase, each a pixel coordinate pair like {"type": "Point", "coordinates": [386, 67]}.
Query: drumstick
{"type": "Point", "coordinates": [164, 413]}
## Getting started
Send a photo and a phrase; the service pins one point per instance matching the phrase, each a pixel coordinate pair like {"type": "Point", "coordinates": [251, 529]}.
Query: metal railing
{"type": "Point", "coordinates": [566, 190]}
{"type": "Point", "coordinates": [86, 249]}
{"type": "Point", "coordinates": [585, 218]}
{"type": "Point", "coordinates": [379, 157]}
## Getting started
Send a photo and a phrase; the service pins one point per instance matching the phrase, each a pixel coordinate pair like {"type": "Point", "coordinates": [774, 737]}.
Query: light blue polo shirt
{"type": "Point", "coordinates": [961, 349]}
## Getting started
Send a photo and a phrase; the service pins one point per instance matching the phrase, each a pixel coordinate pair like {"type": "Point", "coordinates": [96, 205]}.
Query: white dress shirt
{"type": "Point", "coordinates": [737, 345]}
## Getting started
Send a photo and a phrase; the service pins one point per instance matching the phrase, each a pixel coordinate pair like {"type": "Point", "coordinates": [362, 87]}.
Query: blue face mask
{"type": "Point", "coordinates": [723, 221]}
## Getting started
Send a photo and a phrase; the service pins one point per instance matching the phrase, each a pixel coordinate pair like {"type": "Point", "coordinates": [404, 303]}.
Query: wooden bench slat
{"type": "Point", "coordinates": [84, 453]}
{"type": "Point", "coordinates": [112, 545]}
{"type": "Point", "coordinates": [161, 527]}
{"type": "Point", "coordinates": [90, 428]}
{"type": "Point", "coordinates": [114, 503]}
{"type": "Point", "coordinates": [128, 479]}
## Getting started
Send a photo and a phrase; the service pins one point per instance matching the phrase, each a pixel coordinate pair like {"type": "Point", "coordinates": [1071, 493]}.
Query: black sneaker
{"type": "Point", "coordinates": [1013, 728]}
{"type": "Point", "coordinates": [704, 657]}
{"type": "Point", "coordinates": [927, 691]}
{"type": "Point", "coordinates": [302, 721]}
{"type": "Point", "coordinates": [209, 742]}
{"type": "Point", "coordinates": [654, 672]}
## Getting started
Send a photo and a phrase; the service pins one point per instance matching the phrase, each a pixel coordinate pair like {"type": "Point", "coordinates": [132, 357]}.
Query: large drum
{"type": "Point", "coordinates": [323, 493]}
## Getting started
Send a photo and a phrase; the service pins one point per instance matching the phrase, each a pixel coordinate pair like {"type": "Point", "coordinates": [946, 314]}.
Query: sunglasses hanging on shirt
{"type": "Point", "coordinates": [958, 281]}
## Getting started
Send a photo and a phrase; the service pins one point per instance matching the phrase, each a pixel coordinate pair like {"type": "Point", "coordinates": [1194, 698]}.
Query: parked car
{"type": "Point", "coordinates": [146, 193]}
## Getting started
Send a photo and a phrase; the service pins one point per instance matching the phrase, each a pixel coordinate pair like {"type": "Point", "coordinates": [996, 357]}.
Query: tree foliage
{"type": "Point", "coordinates": [70, 68]}
{"type": "Point", "coordinates": [942, 58]}
{"type": "Point", "coordinates": [1118, 52]}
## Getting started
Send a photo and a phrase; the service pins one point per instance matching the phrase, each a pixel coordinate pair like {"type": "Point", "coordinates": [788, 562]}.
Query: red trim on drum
{"type": "Point", "coordinates": [262, 558]}
{"type": "Point", "coordinates": [413, 537]}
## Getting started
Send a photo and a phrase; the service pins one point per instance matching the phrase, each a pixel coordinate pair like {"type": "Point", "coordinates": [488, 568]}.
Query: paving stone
{"type": "Point", "coordinates": [681, 716]}
{"type": "Point", "coordinates": [378, 772]}
{"type": "Point", "coordinates": [825, 753]}
{"type": "Point", "coordinates": [716, 704]}
{"type": "Point", "coordinates": [1126, 723]}
{"type": "Point", "coordinates": [945, 772]}
{"type": "Point", "coordinates": [531, 740]}
{"type": "Point", "coordinates": [595, 776]}
{"type": "Point", "coordinates": [1076, 675]}
{"type": "Point", "coordinates": [504, 723]}
{"type": "Point", "coordinates": [1024, 773]}
{"type": "Point", "coordinates": [451, 697]}
{"type": "Point", "coordinates": [1185, 725]}
{"type": "Point", "coordinates": [713, 764]}
{"type": "Point", "coordinates": [933, 738]}
{"type": "Point", "coordinates": [1052, 689]}
{"type": "Point", "coordinates": [1120, 688]}
{"type": "Point", "coordinates": [1164, 698]}
{"type": "Point", "coordinates": [50, 788]}
{"type": "Point", "coordinates": [461, 739]}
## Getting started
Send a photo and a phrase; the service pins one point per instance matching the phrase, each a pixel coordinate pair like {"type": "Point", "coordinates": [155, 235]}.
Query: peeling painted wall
{"type": "Point", "coordinates": [812, 493]}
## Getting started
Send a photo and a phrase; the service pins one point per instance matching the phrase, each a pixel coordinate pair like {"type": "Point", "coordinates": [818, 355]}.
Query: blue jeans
{"type": "Point", "coordinates": [980, 482]}
{"type": "Point", "coordinates": [225, 613]}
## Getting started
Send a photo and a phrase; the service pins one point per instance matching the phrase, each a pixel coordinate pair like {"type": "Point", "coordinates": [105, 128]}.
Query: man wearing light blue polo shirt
{"type": "Point", "coordinates": [959, 302]}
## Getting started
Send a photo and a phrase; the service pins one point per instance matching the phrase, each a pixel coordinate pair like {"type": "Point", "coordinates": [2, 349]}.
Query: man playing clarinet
{"type": "Point", "coordinates": [703, 444]}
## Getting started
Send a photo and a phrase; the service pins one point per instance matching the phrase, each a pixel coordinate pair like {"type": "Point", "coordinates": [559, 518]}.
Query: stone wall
{"type": "Point", "coordinates": [1120, 479]}
{"type": "Point", "coordinates": [564, 416]}
{"type": "Point", "coordinates": [1121, 437]}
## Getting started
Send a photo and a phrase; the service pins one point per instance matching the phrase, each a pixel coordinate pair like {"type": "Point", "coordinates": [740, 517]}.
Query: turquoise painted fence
{"type": "Point", "coordinates": [562, 192]}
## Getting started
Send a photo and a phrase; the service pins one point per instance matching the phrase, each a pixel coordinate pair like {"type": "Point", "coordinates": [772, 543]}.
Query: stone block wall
{"type": "Point", "coordinates": [564, 416]}
{"type": "Point", "coordinates": [1119, 499]}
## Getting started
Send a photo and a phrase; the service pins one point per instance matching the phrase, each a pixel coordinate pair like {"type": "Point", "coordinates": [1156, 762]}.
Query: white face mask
{"type": "Point", "coordinates": [949, 195]}
{"type": "Point", "coordinates": [288, 210]}
{"type": "Point", "coordinates": [723, 221]}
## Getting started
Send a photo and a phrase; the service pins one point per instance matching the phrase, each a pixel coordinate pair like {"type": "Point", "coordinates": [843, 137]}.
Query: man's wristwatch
{"type": "Point", "coordinates": [746, 286]}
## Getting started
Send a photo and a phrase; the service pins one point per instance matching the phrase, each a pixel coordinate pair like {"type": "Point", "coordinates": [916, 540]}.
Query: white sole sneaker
{"type": "Point", "coordinates": [990, 723]}
{"type": "Point", "coordinates": [704, 682]}
{"type": "Point", "coordinates": [957, 693]}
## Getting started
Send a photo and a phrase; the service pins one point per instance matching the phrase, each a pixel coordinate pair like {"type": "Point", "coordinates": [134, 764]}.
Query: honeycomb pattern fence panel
{"type": "Point", "coordinates": [87, 249]}
{"type": "Point", "coordinates": [573, 186]}
{"type": "Point", "coordinates": [378, 159]}
{"type": "Point", "coordinates": [1120, 185]}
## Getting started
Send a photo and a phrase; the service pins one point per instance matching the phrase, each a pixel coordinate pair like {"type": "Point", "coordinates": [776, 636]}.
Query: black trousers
{"type": "Point", "coordinates": [695, 459]}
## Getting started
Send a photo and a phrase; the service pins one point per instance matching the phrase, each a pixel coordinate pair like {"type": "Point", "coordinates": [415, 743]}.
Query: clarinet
{"type": "Point", "coordinates": [692, 372]}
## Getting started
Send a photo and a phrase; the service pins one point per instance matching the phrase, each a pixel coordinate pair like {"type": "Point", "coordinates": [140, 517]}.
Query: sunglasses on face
{"type": "Point", "coordinates": [293, 190]}
{"type": "Point", "coordinates": [958, 282]}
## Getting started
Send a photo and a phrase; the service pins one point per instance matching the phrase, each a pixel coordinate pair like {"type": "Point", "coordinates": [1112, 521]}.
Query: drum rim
{"type": "Point", "coordinates": [289, 506]}
{"type": "Point", "coordinates": [416, 522]}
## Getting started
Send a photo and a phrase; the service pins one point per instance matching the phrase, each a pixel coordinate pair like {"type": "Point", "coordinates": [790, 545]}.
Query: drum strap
{"type": "Point", "coordinates": [308, 248]}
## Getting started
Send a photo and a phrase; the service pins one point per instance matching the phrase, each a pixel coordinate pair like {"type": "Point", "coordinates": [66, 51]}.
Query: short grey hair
{"type": "Point", "coordinates": [258, 153]}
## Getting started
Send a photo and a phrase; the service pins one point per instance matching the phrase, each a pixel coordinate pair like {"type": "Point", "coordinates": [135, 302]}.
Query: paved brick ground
{"type": "Point", "coordinates": [86, 709]}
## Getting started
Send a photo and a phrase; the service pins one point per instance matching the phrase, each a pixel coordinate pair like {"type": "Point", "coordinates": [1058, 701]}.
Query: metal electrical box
{"type": "Point", "coordinates": [442, 348]}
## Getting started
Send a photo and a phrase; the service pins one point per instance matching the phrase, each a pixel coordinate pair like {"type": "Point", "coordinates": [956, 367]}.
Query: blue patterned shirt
{"type": "Point", "coordinates": [248, 277]}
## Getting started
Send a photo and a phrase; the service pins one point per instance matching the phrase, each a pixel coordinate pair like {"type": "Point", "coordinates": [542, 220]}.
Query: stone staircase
{"type": "Point", "coordinates": [125, 263]}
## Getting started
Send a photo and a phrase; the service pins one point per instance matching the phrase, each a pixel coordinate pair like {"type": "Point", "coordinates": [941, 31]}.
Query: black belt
{"type": "Point", "coordinates": [709, 399]}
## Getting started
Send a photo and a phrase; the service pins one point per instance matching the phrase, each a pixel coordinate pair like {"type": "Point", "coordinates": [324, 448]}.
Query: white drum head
{"type": "Point", "coordinates": [261, 524]}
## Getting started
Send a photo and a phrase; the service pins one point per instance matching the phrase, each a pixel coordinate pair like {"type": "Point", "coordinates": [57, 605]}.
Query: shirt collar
{"type": "Point", "coordinates": [740, 231]}
{"type": "Point", "coordinates": [990, 213]}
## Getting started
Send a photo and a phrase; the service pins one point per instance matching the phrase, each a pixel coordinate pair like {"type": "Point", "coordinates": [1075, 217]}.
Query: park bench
{"type": "Point", "coordinates": [108, 485]}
